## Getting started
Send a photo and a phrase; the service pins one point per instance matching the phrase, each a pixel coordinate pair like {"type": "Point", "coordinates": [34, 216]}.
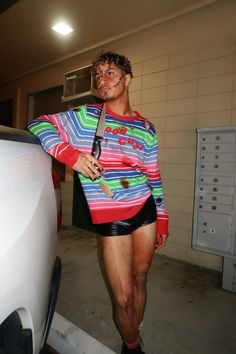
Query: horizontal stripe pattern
{"type": "Point", "coordinates": [129, 157]}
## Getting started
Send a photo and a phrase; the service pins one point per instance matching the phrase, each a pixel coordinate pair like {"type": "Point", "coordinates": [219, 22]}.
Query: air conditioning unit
{"type": "Point", "coordinates": [79, 86]}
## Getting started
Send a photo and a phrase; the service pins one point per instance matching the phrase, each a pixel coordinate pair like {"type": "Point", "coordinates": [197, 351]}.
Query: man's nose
{"type": "Point", "coordinates": [102, 79]}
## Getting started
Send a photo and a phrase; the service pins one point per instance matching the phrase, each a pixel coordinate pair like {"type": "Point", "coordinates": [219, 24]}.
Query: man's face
{"type": "Point", "coordinates": [111, 81]}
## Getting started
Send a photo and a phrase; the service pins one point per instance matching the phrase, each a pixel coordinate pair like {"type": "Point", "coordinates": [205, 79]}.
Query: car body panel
{"type": "Point", "coordinates": [28, 231]}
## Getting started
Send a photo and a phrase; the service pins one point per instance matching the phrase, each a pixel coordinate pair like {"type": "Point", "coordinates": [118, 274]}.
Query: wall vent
{"type": "Point", "coordinates": [79, 85]}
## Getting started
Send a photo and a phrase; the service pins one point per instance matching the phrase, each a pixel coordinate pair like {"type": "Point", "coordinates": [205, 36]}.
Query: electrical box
{"type": "Point", "coordinates": [214, 219]}
{"type": "Point", "coordinates": [79, 84]}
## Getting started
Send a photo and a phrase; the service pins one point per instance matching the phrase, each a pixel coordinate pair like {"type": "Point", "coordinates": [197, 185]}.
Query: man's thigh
{"type": "Point", "coordinates": [118, 263]}
{"type": "Point", "coordinates": [143, 240]}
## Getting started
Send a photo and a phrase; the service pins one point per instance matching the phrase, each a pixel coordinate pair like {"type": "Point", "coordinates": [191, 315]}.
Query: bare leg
{"type": "Point", "coordinates": [117, 253]}
{"type": "Point", "coordinates": [143, 249]}
{"type": "Point", "coordinates": [127, 260]}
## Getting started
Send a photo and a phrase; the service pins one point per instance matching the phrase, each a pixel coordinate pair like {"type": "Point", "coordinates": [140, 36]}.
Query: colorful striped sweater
{"type": "Point", "coordinates": [129, 159]}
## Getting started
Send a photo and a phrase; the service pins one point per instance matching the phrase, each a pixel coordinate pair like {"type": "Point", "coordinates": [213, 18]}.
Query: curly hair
{"type": "Point", "coordinates": [119, 60]}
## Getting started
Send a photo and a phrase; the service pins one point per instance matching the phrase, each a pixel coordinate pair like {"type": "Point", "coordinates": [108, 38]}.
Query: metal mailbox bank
{"type": "Point", "coordinates": [214, 222]}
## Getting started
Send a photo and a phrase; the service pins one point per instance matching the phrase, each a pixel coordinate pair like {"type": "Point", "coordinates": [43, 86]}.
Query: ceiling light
{"type": "Point", "coordinates": [62, 28]}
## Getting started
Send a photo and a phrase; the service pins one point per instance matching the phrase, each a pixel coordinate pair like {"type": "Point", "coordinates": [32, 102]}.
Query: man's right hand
{"type": "Point", "coordinates": [88, 166]}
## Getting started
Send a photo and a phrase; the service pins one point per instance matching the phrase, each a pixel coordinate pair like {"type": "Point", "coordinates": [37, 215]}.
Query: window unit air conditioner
{"type": "Point", "coordinates": [79, 86]}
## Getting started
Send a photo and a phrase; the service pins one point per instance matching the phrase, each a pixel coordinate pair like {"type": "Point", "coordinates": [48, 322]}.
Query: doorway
{"type": "Point", "coordinates": [6, 113]}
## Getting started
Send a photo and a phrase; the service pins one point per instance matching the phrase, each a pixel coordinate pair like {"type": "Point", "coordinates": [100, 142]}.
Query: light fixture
{"type": "Point", "coordinates": [62, 28]}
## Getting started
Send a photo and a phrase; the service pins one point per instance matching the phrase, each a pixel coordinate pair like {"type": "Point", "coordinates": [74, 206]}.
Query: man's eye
{"type": "Point", "coordinates": [110, 73]}
{"type": "Point", "coordinates": [97, 77]}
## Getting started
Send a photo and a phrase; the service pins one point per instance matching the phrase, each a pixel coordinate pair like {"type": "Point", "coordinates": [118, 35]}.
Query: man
{"type": "Point", "coordinates": [123, 187]}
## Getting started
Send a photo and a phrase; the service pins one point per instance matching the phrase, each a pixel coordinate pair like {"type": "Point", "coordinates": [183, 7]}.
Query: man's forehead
{"type": "Point", "coordinates": [106, 66]}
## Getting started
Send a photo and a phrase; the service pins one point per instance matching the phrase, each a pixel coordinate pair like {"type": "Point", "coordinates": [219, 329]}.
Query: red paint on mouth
{"type": "Point", "coordinates": [103, 90]}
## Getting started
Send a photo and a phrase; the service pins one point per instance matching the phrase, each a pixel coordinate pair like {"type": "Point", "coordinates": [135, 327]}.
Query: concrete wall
{"type": "Point", "coordinates": [184, 79]}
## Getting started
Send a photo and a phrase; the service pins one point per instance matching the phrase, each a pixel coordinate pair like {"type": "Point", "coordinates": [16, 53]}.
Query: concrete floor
{"type": "Point", "coordinates": [187, 310]}
{"type": "Point", "coordinates": [48, 350]}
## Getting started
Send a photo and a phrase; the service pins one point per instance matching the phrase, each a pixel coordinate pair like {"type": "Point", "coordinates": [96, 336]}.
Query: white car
{"type": "Point", "coordinates": [29, 267]}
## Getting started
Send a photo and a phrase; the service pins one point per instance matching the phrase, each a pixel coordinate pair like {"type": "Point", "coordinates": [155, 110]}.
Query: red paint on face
{"type": "Point", "coordinates": [110, 81]}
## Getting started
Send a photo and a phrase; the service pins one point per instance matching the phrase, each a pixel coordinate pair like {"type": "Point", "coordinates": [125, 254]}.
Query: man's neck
{"type": "Point", "coordinates": [120, 108]}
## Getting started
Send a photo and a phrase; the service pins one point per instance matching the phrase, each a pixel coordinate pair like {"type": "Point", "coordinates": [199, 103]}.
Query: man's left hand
{"type": "Point", "coordinates": [161, 240]}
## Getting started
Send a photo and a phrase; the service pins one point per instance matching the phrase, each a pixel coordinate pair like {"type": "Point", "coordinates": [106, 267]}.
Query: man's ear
{"type": "Point", "coordinates": [127, 80]}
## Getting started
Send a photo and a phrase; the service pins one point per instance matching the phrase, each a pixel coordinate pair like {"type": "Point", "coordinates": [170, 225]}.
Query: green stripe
{"type": "Point", "coordinates": [86, 121]}
{"type": "Point", "coordinates": [116, 184]}
{"type": "Point", "coordinates": [41, 127]}
{"type": "Point", "coordinates": [157, 192]}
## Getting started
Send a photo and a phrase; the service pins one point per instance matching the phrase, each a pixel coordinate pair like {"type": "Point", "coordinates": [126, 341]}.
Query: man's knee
{"type": "Point", "coordinates": [140, 274]}
{"type": "Point", "coordinates": [124, 300]}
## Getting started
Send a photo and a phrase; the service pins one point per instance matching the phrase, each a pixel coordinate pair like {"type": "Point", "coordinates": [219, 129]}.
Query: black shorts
{"type": "Point", "coordinates": [145, 216]}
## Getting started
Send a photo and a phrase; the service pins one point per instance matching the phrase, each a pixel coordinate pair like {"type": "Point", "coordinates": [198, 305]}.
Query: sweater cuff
{"type": "Point", "coordinates": [162, 226]}
{"type": "Point", "coordinates": [67, 155]}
